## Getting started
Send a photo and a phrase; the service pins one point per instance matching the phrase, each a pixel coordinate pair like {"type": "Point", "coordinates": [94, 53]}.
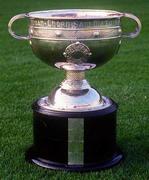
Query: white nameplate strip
{"type": "Point", "coordinates": [75, 141]}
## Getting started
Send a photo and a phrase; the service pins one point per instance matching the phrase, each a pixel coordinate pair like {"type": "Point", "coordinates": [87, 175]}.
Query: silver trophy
{"type": "Point", "coordinates": [75, 126]}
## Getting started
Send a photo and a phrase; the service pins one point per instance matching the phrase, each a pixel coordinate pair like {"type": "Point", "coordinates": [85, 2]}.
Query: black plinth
{"type": "Point", "coordinates": [51, 145]}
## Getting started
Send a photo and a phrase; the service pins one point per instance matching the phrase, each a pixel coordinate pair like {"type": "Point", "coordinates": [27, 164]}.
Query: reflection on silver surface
{"type": "Point", "coordinates": [75, 40]}
{"type": "Point", "coordinates": [51, 31]}
{"type": "Point", "coordinates": [71, 106]}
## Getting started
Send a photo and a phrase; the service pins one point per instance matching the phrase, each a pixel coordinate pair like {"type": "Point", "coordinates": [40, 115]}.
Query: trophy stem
{"type": "Point", "coordinates": [75, 93]}
{"type": "Point", "coordinates": [75, 75]}
{"type": "Point", "coordinates": [75, 82]}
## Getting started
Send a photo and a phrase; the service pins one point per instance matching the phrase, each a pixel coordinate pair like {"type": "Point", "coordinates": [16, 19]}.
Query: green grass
{"type": "Point", "coordinates": [23, 78]}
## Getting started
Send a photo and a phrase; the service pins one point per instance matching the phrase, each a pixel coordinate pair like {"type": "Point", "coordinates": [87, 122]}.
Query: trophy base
{"type": "Point", "coordinates": [33, 157]}
{"type": "Point", "coordinates": [74, 141]}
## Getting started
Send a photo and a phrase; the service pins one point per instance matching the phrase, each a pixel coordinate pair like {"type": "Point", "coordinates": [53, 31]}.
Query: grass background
{"type": "Point", "coordinates": [24, 78]}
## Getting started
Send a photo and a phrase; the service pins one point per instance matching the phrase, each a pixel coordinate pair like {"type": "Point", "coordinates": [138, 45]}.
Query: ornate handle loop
{"type": "Point", "coordinates": [12, 20]}
{"type": "Point", "coordinates": [137, 29]}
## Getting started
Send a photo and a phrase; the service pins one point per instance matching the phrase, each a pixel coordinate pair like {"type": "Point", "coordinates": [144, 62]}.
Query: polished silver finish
{"type": "Point", "coordinates": [75, 104]}
{"type": "Point", "coordinates": [50, 32]}
{"type": "Point", "coordinates": [75, 67]}
{"type": "Point", "coordinates": [75, 40]}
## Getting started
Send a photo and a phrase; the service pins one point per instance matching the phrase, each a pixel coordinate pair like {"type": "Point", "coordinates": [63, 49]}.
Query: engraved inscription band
{"type": "Point", "coordinates": [75, 24]}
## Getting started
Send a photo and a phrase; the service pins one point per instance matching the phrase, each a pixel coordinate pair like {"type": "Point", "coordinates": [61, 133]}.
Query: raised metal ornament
{"type": "Point", "coordinates": [77, 51]}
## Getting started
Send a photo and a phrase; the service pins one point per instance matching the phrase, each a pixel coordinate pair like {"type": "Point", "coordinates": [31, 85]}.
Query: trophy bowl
{"type": "Point", "coordinates": [50, 32]}
{"type": "Point", "coordinates": [75, 126]}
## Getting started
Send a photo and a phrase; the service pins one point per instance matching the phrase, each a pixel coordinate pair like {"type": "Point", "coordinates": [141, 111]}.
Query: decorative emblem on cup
{"type": "Point", "coordinates": [77, 53]}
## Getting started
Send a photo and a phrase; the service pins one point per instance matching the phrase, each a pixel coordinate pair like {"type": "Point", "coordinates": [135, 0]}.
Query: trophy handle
{"type": "Point", "coordinates": [137, 29]}
{"type": "Point", "coordinates": [12, 20]}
